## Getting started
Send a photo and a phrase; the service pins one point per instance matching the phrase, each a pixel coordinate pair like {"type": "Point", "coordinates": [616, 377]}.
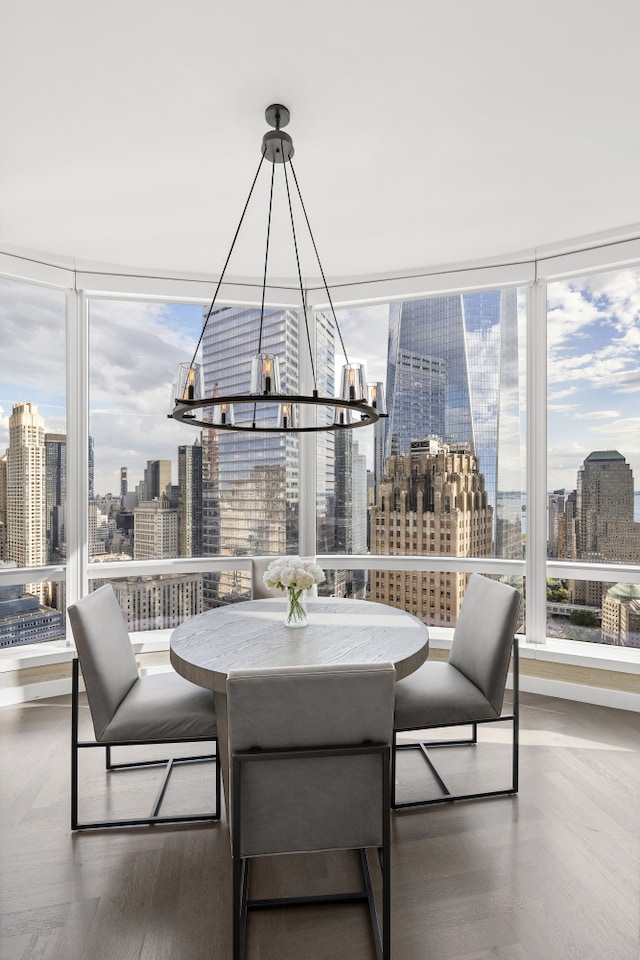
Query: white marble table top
{"type": "Point", "coordinates": [250, 634]}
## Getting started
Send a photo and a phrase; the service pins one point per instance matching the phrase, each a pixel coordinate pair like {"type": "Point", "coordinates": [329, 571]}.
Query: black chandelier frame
{"type": "Point", "coordinates": [347, 412]}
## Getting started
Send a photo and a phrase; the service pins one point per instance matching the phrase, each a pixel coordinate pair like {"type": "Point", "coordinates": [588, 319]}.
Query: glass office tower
{"type": "Point", "coordinates": [453, 373]}
{"type": "Point", "coordinates": [250, 481]}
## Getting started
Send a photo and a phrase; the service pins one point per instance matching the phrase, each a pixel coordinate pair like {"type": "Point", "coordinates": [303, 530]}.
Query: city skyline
{"type": "Point", "coordinates": [594, 369]}
{"type": "Point", "coordinates": [594, 524]}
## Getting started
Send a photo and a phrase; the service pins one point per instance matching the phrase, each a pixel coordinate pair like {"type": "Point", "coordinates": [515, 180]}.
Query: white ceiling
{"type": "Point", "coordinates": [427, 132]}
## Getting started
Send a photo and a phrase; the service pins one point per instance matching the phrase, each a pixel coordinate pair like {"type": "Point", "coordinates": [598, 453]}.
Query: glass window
{"type": "Point", "coordinates": [253, 479]}
{"type": "Point", "coordinates": [161, 489]}
{"type": "Point", "coordinates": [451, 448]}
{"type": "Point", "coordinates": [136, 453]}
{"type": "Point", "coordinates": [593, 431]}
{"type": "Point", "coordinates": [157, 602]}
{"type": "Point", "coordinates": [32, 458]}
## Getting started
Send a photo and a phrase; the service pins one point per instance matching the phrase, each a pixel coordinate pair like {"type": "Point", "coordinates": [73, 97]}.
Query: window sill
{"type": "Point", "coordinates": [593, 673]}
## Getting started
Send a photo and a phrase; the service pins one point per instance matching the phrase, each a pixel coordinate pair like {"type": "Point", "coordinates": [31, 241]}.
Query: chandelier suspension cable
{"type": "Point", "coordinates": [303, 298]}
{"type": "Point", "coordinates": [226, 263]}
{"type": "Point", "coordinates": [358, 404]}
{"type": "Point", "coordinates": [324, 280]}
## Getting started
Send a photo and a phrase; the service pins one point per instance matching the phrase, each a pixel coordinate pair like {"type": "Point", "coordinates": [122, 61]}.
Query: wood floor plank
{"type": "Point", "coordinates": [552, 874]}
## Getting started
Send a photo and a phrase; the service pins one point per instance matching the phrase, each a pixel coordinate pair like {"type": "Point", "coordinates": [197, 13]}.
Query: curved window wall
{"type": "Point", "coordinates": [459, 343]}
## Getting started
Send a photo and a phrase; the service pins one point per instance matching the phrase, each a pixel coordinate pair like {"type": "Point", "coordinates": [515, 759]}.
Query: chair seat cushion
{"type": "Point", "coordinates": [437, 694]}
{"type": "Point", "coordinates": [163, 706]}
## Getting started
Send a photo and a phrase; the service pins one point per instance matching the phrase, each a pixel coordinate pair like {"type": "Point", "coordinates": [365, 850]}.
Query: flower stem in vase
{"type": "Point", "coordinates": [296, 608]}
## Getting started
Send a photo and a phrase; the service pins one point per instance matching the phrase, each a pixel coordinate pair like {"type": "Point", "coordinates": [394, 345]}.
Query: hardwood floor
{"type": "Point", "coordinates": [550, 875]}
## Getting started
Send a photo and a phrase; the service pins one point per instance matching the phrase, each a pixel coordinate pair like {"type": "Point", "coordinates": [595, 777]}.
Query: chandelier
{"type": "Point", "coordinates": [265, 407]}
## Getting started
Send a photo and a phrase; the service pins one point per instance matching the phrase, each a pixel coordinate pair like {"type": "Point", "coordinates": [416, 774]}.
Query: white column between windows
{"type": "Point", "coordinates": [77, 499]}
{"type": "Point", "coordinates": [536, 549]}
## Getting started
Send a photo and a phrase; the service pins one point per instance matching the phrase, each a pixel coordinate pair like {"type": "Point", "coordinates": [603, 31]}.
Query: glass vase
{"type": "Point", "coordinates": [296, 615]}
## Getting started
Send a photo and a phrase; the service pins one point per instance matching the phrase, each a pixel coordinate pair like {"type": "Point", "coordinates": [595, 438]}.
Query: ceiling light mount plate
{"type": "Point", "coordinates": [277, 116]}
{"type": "Point", "coordinates": [277, 146]}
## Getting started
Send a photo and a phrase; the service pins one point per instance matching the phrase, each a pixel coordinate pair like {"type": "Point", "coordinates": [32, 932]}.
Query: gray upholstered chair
{"type": "Point", "coordinates": [258, 589]}
{"type": "Point", "coordinates": [310, 755]}
{"type": "Point", "coordinates": [127, 709]}
{"type": "Point", "coordinates": [467, 690]}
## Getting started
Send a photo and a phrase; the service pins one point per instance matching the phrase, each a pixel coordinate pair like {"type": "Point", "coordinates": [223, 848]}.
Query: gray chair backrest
{"type": "Point", "coordinates": [295, 804]}
{"type": "Point", "coordinates": [104, 651]}
{"type": "Point", "coordinates": [258, 589]}
{"type": "Point", "coordinates": [483, 637]}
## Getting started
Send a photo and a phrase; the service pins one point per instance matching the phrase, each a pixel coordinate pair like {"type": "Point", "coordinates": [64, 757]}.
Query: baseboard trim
{"type": "Point", "coordinates": [599, 696]}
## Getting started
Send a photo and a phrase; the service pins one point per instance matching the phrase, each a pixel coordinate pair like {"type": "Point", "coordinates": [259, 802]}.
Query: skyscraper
{"type": "Point", "coordinates": [452, 372]}
{"type": "Point", "coordinates": [157, 479]}
{"type": "Point", "coordinates": [605, 527]}
{"type": "Point", "coordinates": [26, 490]}
{"type": "Point", "coordinates": [190, 500]}
{"type": "Point", "coordinates": [251, 494]}
{"type": "Point", "coordinates": [555, 515]}
{"type": "Point", "coordinates": [568, 529]}
{"type": "Point", "coordinates": [432, 501]}
{"type": "Point", "coordinates": [155, 530]}
{"type": "Point", "coordinates": [325, 332]}
{"type": "Point", "coordinates": [605, 508]}
{"type": "Point", "coordinates": [621, 615]}
{"type": "Point", "coordinates": [350, 506]}
{"type": "Point", "coordinates": [91, 468]}
{"type": "Point", "coordinates": [3, 506]}
{"type": "Point", "coordinates": [55, 445]}
{"type": "Point", "coordinates": [155, 603]}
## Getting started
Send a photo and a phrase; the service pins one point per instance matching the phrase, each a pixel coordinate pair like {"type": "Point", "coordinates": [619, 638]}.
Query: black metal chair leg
{"type": "Point", "coordinates": [154, 817]}
{"type": "Point", "coordinates": [74, 745]}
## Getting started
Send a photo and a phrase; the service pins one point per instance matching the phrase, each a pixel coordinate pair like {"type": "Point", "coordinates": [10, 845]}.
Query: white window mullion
{"type": "Point", "coordinates": [77, 499]}
{"type": "Point", "coordinates": [536, 588]}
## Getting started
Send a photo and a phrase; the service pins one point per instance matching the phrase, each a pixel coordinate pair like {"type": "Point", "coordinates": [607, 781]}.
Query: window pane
{"type": "Point", "coordinates": [254, 480]}
{"type": "Point", "coordinates": [159, 602]}
{"type": "Point", "coordinates": [33, 460]}
{"type": "Point", "coordinates": [443, 474]}
{"type": "Point", "coordinates": [161, 489]}
{"type": "Point", "coordinates": [594, 451]}
{"type": "Point", "coordinates": [136, 453]}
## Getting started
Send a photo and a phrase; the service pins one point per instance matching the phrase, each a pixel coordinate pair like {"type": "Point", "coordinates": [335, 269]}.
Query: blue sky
{"type": "Point", "coordinates": [135, 347]}
{"type": "Point", "coordinates": [594, 372]}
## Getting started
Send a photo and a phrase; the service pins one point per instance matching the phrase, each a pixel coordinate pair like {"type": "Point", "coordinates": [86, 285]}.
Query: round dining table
{"type": "Point", "coordinates": [252, 634]}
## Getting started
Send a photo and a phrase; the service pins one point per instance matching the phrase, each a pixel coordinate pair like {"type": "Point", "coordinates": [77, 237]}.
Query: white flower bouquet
{"type": "Point", "coordinates": [294, 575]}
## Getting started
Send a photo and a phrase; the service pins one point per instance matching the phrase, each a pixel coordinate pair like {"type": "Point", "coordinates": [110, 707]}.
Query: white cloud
{"type": "Point", "coordinates": [33, 338]}
{"type": "Point", "coordinates": [562, 407]}
{"type": "Point", "coordinates": [597, 415]}
{"type": "Point", "coordinates": [624, 434]}
{"type": "Point", "coordinates": [134, 347]}
{"type": "Point", "coordinates": [554, 395]}
{"type": "Point", "coordinates": [365, 332]}
{"type": "Point", "coordinates": [604, 311]}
